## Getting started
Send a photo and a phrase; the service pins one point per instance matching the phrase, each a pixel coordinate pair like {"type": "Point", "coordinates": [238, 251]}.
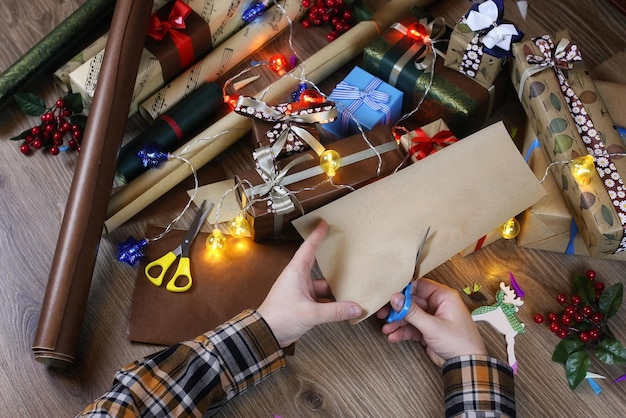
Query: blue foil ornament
{"type": "Point", "coordinates": [131, 250]}
{"type": "Point", "coordinates": [295, 96]}
{"type": "Point", "coordinates": [150, 156]}
{"type": "Point", "coordinates": [254, 11]}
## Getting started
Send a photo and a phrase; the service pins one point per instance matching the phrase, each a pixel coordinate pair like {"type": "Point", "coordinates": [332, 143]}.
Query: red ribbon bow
{"type": "Point", "coordinates": [158, 29]}
{"type": "Point", "coordinates": [423, 145]}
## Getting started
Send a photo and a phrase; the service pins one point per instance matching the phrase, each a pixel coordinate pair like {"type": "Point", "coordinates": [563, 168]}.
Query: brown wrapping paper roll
{"type": "Point", "coordinates": [153, 184]}
{"type": "Point", "coordinates": [74, 259]}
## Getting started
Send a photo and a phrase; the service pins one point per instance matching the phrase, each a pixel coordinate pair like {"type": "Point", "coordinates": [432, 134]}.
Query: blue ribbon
{"type": "Point", "coordinates": [533, 145]}
{"type": "Point", "coordinates": [573, 230]}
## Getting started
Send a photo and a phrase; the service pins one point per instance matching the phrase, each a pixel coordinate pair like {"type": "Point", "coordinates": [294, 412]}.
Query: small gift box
{"type": "Point", "coordinates": [364, 98]}
{"type": "Point", "coordinates": [413, 65]}
{"type": "Point", "coordinates": [481, 42]}
{"type": "Point", "coordinates": [421, 142]}
{"type": "Point", "coordinates": [288, 127]}
{"type": "Point", "coordinates": [571, 121]}
{"type": "Point", "coordinates": [298, 184]}
{"type": "Point", "coordinates": [179, 34]}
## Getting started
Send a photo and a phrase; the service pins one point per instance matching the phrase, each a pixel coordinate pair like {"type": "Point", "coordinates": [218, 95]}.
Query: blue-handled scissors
{"type": "Point", "coordinates": [398, 315]}
{"type": "Point", "coordinates": [162, 264]}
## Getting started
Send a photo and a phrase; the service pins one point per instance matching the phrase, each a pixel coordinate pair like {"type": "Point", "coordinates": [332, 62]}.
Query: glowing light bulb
{"type": "Point", "coordinates": [418, 33]}
{"type": "Point", "coordinates": [239, 227]}
{"type": "Point", "coordinates": [279, 64]}
{"type": "Point", "coordinates": [510, 229]}
{"type": "Point", "coordinates": [216, 240]}
{"type": "Point", "coordinates": [582, 169]}
{"type": "Point", "coordinates": [330, 161]}
{"type": "Point", "coordinates": [231, 100]}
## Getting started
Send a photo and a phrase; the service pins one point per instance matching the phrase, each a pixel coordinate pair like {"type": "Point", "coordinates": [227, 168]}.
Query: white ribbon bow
{"type": "Point", "coordinates": [486, 17]}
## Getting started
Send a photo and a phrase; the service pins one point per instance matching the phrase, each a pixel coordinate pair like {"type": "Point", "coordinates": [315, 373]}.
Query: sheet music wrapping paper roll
{"type": "Point", "coordinates": [223, 58]}
{"type": "Point", "coordinates": [72, 268]}
{"type": "Point", "coordinates": [222, 20]}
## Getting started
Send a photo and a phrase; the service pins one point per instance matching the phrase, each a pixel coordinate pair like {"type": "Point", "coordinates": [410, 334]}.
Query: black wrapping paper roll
{"type": "Point", "coordinates": [170, 130]}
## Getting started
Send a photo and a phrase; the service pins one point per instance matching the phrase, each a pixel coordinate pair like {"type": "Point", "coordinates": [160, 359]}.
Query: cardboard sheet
{"type": "Point", "coordinates": [462, 192]}
{"type": "Point", "coordinates": [224, 284]}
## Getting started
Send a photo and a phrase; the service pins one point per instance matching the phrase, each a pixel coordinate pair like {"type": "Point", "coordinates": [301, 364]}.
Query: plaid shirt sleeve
{"type": "Point", "coordinates": [478, 386]}
{"type": "Point", "coordinates": [196, 377]}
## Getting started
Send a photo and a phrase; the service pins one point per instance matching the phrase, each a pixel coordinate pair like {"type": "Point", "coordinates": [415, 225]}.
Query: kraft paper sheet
{"type": "Point", "coordinates": [369, 252]}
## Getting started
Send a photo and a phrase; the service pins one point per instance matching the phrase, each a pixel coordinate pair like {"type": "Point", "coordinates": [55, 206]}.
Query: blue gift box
{"type": "Point", "coordinates": [367, 99]}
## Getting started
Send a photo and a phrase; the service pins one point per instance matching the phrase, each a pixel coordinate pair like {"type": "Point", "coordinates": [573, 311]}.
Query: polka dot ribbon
{"type": "Point", "coordinates": [562, 57]}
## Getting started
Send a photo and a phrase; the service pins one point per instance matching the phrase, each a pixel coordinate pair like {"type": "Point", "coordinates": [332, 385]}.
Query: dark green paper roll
{"type": "Point", "coordinates": [170, 130]}
{"type": "Point", "coordinates": [61, 43]}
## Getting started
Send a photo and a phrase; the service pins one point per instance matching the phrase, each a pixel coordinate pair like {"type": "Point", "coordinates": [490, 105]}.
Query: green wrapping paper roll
{"type": "Point", "coordinates": [170, 130]}
{"type": "Point", "coordinates": [55, 47]}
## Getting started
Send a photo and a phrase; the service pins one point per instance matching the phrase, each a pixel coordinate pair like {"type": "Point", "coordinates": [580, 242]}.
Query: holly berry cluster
{"type": "Point", "coordinates": [582, 326]}
{"type": "Point", "coordinates": [56, 123]}
{"type": "Point", "coordinates": [340, 15]}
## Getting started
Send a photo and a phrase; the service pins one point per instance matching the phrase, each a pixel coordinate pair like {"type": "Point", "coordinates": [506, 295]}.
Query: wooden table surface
{"type": "Point", "coordinates": [338, 369]}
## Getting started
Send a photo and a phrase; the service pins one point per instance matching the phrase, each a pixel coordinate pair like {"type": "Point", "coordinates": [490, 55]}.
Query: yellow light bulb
{"type": "Point", "coordinates": [239, 227]}
{"type": "Point", "coordinates": [330, 161]}
{"type": "Point", "coordinates": [510, 229]}
{"type": "Point", "coordinates": [216, 240]}
{"type": "Point", "coordinates": [582, 169]}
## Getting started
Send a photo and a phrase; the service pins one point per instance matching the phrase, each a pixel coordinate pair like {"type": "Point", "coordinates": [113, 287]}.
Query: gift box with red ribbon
{"type": "Point", "coordinates": [571, 121]}
{"type": "Point", "coordinates": [273, 195]}
{"type": "Point", "coordinates": [480, 43]}
{"type": "Point", "coordinates": [408, 56]}
{"type": "Point", "coordinates": [178, 35]}
{"type": "Point", "coordinates": [421, 142]}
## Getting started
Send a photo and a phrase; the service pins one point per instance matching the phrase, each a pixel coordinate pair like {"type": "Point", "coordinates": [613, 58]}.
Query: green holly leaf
{"type": "Point", "coordinates": [565, 348]}
{"type": "Point", "coordinates": [74, 102]}
{"type": "Point", "coordinates": [30, 104]}
{"type": "Point", "coordinates": [21, 136]}
{"type": "Point", "coordinates": [80, 120]}
{"type": "Point", "coordinates": [611, 351]}
{"type": "Point", "coordinates": [576, 368]}
{"type": "Point", "coordinates": [611, 299]}
{"type": "Point", "coordinates": [583, 287]}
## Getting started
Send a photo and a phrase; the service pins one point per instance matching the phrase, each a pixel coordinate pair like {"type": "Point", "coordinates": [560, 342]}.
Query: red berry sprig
{"type": "Point", "coordinates": [56, 123]}
{"type": "Point", "coordinates": [340, 15]}
{"type": "Point", "coordinates": [582, 326]}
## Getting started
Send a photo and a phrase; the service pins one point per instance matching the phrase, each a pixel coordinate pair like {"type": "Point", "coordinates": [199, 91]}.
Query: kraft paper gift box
{"type": "Point", "coordinates": [365, 98]}
{"type": "Point", "coordinates": [548, 224]}
{"type": "Point", "coordinates": [179, 35]}
{"type": "Point", "coordinates": [298, 184]}
{"type": "Point", "coordinates": [480, 43]}
{"type": "Point", "coordinates": [438, 92]}
{"type": "Point", "coordinates": [544, 68]}
{"type": "Point", "coordinates": [422, 142]}
{"type": "Point", "coordinates": [287, 127]}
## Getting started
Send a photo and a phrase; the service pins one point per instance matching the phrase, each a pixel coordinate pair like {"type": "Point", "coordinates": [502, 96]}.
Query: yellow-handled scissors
{"type": "Point", "coordinates": [183, 270]}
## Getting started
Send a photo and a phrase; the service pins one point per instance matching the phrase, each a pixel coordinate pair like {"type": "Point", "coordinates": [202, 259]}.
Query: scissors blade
{"type": "Point", "coordinates": [193, 230]}
{"type": "Point", "coordinates": [419, 252]}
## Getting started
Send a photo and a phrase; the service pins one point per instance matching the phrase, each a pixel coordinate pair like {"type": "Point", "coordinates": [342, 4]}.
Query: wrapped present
{"type": "Point", "coordinates": [571, 121]}
{"type": "Point", "coordinates": [548, 224]}
{"type": "Point", "coordinates": [421, 142]}
{"type": "Point", "coordinates": [288, 127]}
{"type": "Point", "coordinates": [179, 35]}
{"type": "Point", "coordinates": [438, 92]}
{"type": "Point", "coordinates": [481, 42]}
{"type": "Point", "coordinates": [364, 98]}
{"type": "Point", "coordinates": [298, 184]}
